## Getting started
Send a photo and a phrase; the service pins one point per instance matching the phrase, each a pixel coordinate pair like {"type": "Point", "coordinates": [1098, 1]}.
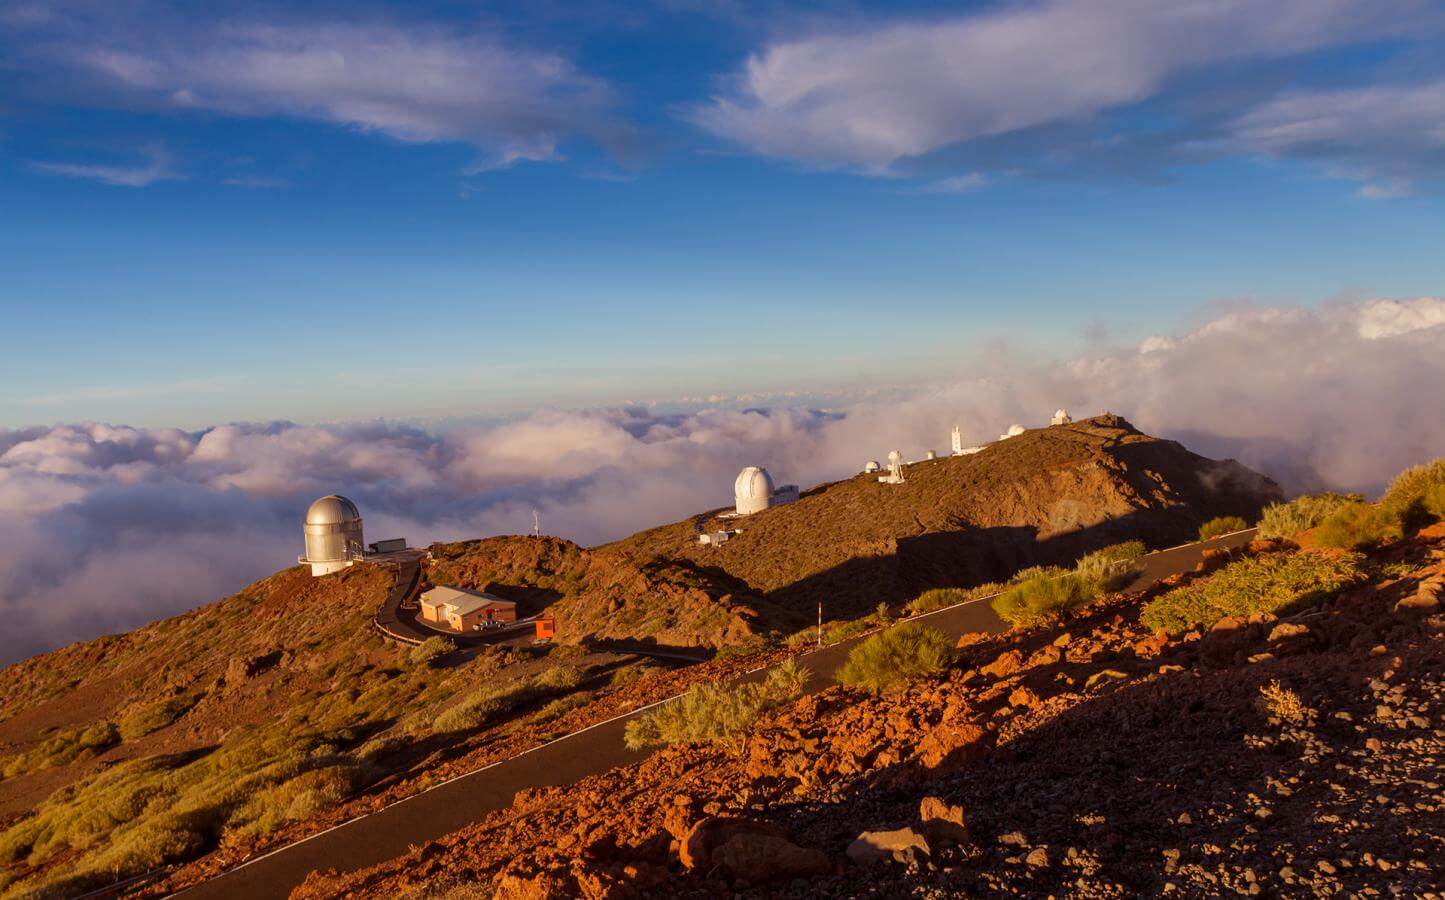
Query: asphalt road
{"type": "Point", "coordinates": [442, 809]}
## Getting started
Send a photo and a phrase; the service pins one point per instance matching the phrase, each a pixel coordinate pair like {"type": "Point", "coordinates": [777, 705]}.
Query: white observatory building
{"type": "Point", "coordinates": [754, 491]}
{"type": "Point", "coordinates": [895, 468]}
{"type": "Point", "coordinates": [333, 535]}
{"type": "Point", "coordinates": [1013, 431]}
{"type": "Point", "coordinates": [1062, 417]}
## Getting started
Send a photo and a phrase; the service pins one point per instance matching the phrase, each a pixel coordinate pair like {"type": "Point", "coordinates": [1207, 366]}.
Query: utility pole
{"type": "Point", "coordinates": [820, 624]}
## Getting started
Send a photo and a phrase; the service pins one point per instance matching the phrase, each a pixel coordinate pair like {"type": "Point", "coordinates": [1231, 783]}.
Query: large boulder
{"type": "Point", "coordinates": [943, 823]}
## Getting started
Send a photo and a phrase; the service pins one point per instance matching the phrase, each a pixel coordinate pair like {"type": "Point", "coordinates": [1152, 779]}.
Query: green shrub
{"type": "Point", "coordinates": [712, 713]}
{"type": "Point", "coordinates": [562, 705]}
{"type": "Point", "coordinates": [938, 598]}
{"type": "Point", "coordinates": [629, 674]}
{"type": "Point", "coordinates": [1357, 525]}
{"type": "Point", "coordinates": [1033, 572]}
{"type": "Point", "coordinates": [1274, 583]}
{"type": "Point", "coordinates": [1110, 567]}
{"type": "Point", "coordinates": [153, 717]}
{"type": "Point", "coordinates": [897, 655]}
{"type": "Point", "coordinates": [431, 650]}
{"type": "Point", "coordinates": [480, 707]}
{"type": "Point", "coordinates": [64, 748]}
{"type": "Point", "coordinates": [1221, 525]}
{"type": "Point", "coordinates": [1416, 496]}
{"type": "Point", "coordinates": [1285, 520]}
{"type": "Point", "coordinates": [560, 678]}
{"type": "Point", "coordinates": [1044, 598]}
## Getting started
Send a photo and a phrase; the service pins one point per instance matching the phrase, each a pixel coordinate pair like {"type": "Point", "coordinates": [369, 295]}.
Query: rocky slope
{"type": "Point", "coordinates": [601, 596]}
{"type": "Point", "coordinates": [1046, 496]}
{"type": "Point", "coordinates": [1092, 758]}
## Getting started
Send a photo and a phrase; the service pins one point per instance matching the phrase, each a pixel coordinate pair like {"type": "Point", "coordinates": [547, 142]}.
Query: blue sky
{"type": "Point", "coordinates": [323, 211]}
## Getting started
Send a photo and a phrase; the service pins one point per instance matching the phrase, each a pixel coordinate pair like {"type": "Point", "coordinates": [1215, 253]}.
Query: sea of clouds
{"type": "Point", "coordinates": [108, 527]}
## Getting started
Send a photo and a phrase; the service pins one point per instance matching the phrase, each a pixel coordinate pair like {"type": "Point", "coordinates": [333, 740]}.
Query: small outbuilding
{"type": "Point", "coordinates": [462, 610]}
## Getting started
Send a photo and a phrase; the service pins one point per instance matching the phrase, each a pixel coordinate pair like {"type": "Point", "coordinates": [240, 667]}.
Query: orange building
{"type": "Point", "coordinates": [546, 627]}
{"type": "Point", "coordinates": [462, 610]}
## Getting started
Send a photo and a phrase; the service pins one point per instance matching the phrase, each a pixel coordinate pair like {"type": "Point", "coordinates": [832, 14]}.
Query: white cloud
{"type": "Point", "coordinates": [957, 184]}
{"type": "Point", "coordinates": [157, 166]}
{"type": "Point", "coordinates": [1384, 135]}
{"type": "Point", "coordinates": [109, 526]}
{"type": "Point", "coordinates": [869, 98]}
{"type": "Point", "coordinates": [1391, 318]}
{"type": "Point", "coordinates": [412, 83]}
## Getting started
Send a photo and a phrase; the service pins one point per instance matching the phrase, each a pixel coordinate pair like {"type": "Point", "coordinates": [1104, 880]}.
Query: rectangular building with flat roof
{"type": "Point", "coordinates": [462, 610]}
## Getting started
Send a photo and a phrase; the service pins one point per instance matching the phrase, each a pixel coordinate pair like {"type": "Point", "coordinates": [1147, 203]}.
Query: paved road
{"type": "Point", "coordinates": [390, 832]}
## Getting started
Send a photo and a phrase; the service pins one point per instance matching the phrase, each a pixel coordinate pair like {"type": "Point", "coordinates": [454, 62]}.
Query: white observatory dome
{"type": "Point", "coordinates": [333, 534]}
{"type": "Point", "coordinates": [1014, 430]}
{"type": "Point", "coordinates": [871, 466]}
{"type": "Point", "coordinates": [753, 490]}
{"type": "Point", "coordinates": [1061, 414]}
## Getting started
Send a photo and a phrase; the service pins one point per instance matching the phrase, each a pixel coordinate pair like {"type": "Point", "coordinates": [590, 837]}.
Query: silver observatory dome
{"type": "Point", "coordinates": [333, 534]}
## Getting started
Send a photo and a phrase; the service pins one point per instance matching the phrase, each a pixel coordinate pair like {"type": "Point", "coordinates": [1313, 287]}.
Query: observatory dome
{"type": "Point", "coordinates": [333, 534]}
{"type": "Point", "coordinates": [753, 490]}
{"type": "Point", "coordinates": [332, 510]}
{"type": "Point", "coordinates": [1014, 430]}
{"type": "Point", "coordinates": [872, 466]}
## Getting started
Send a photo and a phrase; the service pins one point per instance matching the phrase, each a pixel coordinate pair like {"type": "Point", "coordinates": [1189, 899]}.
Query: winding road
{"type": "Point", "coordinates": [440, 810]}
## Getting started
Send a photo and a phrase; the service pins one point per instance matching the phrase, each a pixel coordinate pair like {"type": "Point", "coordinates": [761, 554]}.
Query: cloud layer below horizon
{"type": "Point", "coordinates": [108, 527]}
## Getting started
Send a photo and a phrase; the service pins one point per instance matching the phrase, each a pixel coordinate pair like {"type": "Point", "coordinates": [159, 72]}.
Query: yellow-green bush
{"type": "Point", "coordinates": [1221, 525]}
{"type": "Point", "coordinates": [890, 658]}
{"type": "Point", "coordinates": [1044, 598]}
{"type": "Point", "coordinates": [711, 713]}
{"type": "Point", "coordinates": [143, 720]}
{"type": "Point", "coordinates": [1275, 583]}
{"type": "Point", "coordinates": [1356, 525]}
{"type": "Point", "coordinates": [1110, 567]}
{"type": "Point", "coordinates": [64, 748]}
{"type": "Point", "coordinates": [1417, 495]}
{"type": "Point", "coordinates": [431, 650]}
{"type": "Point", "coordinates": [560, 678]}
{"type": "Point", "coordinates": [1285, 520]}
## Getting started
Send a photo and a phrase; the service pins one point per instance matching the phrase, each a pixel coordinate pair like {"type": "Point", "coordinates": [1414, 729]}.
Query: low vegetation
{"type": "Point", "coordinates": [490, 703]}
{"type": "Point", "coordinates": [1221, 525]}
{"type": "Point", "coordinates": [1276, 583]}
{"type": "Point", "coordinates": [1356, 525]}
{"type": "Point", "coordinates": [1043, 594]}
{"type": "Point", "coordinates": [895, 656]}
{"type": "Point", "coordinates": [1285, 520]}
{"type": "Point", "coordinates": [148, 812]}
{"type": "Point", "coordinates": [143, 720]}
{"type": "Point", "coordinates": [64, 748]}
{"type": "Point", "coordinates": [712, 713]}
{"type": "Point", "coordinates": [431, 650]}
{"type": "Point", "coordinates": [1417, 496]}
{"type": "Point", "coordinates": [1279, 702]}
{"type": "Point", "coordinates": [941, 598]}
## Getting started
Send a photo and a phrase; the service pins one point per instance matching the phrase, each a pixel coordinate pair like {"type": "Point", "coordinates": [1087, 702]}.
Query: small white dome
{"type": "Point", "coordinates": [872, 466]}
{"type": "Point", "coordinates": [1015, 430]}
{"type": "Point", "coordinates": [1061, 414]}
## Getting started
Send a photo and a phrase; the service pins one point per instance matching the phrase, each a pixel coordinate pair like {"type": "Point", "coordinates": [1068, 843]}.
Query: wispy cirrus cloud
{"type": "Point", "coordinates": [879, 97]}
{"type": "Point", "coordinates": [156, 165]}
{"type": "Point", "coordinates": [1385, 136]}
